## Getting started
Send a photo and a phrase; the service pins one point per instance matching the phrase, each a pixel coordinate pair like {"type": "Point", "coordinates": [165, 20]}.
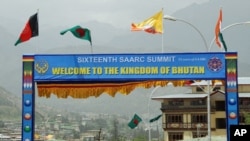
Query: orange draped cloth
{"type": "Point", "coordinates": [85, 90]}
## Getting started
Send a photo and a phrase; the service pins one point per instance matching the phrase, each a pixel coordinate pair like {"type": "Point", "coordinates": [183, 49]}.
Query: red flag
{"type": "Point", "coordinates": [30, 30]}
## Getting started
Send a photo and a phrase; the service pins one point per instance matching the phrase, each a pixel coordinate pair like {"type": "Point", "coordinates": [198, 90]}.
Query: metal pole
{"type": "Point", "coordinates": [167, 17]}
{"type": "Point", "coordinates": [208, 85]}
{"type": "Point", "coordinates": [229, 26]}
{"type": "Point", "coordinates": [203, 38]}
{"type": "Point", "coordinates": [209, 82]}
{"type": "Point", "coordinates": [207, 49]}
{"type": "Point", "coordinates": [149, 127]}
{"type": "Point", "coordinates": [208, 111]}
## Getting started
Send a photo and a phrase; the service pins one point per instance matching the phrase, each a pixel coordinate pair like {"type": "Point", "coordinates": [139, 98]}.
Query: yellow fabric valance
{"type": "Point", "coordinates": [64, 90]}
{"type": "Point", "coordinates": [96, 89]}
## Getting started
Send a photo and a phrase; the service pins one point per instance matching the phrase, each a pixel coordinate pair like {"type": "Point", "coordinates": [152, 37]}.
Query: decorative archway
{"type": "Point", "coordinates": [85, 75]}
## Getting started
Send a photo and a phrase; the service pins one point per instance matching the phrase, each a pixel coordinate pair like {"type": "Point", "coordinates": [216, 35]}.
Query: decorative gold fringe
{"type": "Point", "coordinates": [218, 81]}
{"type": "Point", "coordinates": [87, 90]}
{"type": "Point", "coordinates": [95, 90]}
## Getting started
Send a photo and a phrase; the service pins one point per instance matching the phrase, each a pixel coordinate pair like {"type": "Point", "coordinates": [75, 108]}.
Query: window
{"type": "Point", "coordinates": [198, 102]}
{"type": "Point", "coordinates": [199, 134]}
{"type": "Point", "coordinates": [216, 88]}
{"type": "Point", "coordinates": [199, 89]}
{"type": "Point", "coordinates": [178, 118]}
{"type": "Point", "coordinates": [244, 102]}
{"type": "Point", "coordinates": [221, 123]}
{"type": "Point", "coordinates": [220, 105]}
{"type": "Point", "coordinates": [199, 118]}
{"type": "Point", "coordinates": [178, 102]}
{"type": "Point", "coordinates": [174, 136]}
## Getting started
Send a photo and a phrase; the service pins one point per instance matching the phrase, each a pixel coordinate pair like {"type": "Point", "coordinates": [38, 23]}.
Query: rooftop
{"type": "Point", "coordinates": [241, 80]}
{"type": "Point", "coordinates": [190, 95]}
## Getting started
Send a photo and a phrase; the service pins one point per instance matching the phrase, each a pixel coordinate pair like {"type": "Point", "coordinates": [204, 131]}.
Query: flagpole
{"type": "Point", "coordinates": [38, 28]}
{"type": "Point", "coordinates": [91, 48]}
{"type": "Point", "coordinates": [162, 46]}
{"type": "Point", "coordinates": [149, 128]}
{"type": "Point", "coordinates": [162, 41]}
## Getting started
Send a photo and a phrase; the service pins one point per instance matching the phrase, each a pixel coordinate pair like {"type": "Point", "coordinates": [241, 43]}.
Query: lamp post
{"type": "Point", "coordinates": [167, 17]}
{"type": "Point", "coordinates": [149, 126]}
{"type": "Point", "coordinates": [229, 26]}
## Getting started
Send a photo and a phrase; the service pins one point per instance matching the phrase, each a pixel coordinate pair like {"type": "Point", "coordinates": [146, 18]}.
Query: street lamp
{"type": "Point", "coordinates": [167, 17]}
{"type": "Point", "coordinates": [149, 128]}
{"type": "Point", "coordinates": [229, 26]}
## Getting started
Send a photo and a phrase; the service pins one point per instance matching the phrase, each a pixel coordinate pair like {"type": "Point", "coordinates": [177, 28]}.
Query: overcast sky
{"type": "Point", "coordinates": [119, 13]}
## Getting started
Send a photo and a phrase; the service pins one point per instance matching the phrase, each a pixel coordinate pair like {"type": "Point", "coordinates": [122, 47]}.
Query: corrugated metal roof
{"type": "Point", "coordinates": [180, 96]}
{"type": "Point", "coordinates": [189, 95]}
{"type": "Point", "coordinates": [244, 95]}
{"type": "Point", "coordinates": [241, 80]}
{"type": "Point", "coordinates": [202, 83]}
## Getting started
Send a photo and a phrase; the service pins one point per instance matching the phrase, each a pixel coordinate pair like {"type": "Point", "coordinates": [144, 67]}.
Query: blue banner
{"type": "Point", "coordinates": [108, 67]}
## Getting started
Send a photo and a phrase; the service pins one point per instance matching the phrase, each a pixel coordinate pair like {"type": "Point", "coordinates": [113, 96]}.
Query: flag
{"type": "Point", "coordinates": [79, 32]}
{"type": "Point", "coordinates": [30, 30]}
{"type": "Point", "coordinates": [155, 119]}
{"type": "Point", "coordinates": [152, 25]}
{"type": "Point", "coordinates": [218, 35]}
{"type": "Point", "coordinates": [134, 122]}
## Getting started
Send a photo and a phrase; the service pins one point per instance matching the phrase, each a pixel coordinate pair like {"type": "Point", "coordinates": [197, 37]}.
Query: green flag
{"type": "Point", "coordinates": [134, 122]}
{"type": "Point", "coordinates": [223, 42]}
{"type": "Point", "coordinates": [155, 119]}
{"type": "Point", "coordinates": [79, 32]}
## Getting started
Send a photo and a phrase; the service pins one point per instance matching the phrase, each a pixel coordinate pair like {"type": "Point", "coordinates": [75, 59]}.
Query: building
{"type": "Point", "coordinates": [184, 116]}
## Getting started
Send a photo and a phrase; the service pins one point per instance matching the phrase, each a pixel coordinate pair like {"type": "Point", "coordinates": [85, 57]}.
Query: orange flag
{"type": "Point", "coordinates": [218, 35]}
{"type": "Point", "coordinates": [218, 28]}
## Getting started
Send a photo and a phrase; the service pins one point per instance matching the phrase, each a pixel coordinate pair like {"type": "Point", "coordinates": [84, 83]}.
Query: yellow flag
{"type": "Point", "coordinates": [152, 25]}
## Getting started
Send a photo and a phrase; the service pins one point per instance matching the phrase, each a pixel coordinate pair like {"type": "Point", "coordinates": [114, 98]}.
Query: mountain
{"type": "Point", "coordinates": [10, 108]}
{"type": "Point", "coordinates": [137, 101]}
{"type": "Point", "coordinates": [178, 37]}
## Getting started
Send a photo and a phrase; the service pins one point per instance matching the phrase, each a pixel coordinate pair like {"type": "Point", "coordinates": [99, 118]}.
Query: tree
{"type": "Point", "coordinates": [247, 117]}
{"type": "Point", "coordinates": [76, 134]}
